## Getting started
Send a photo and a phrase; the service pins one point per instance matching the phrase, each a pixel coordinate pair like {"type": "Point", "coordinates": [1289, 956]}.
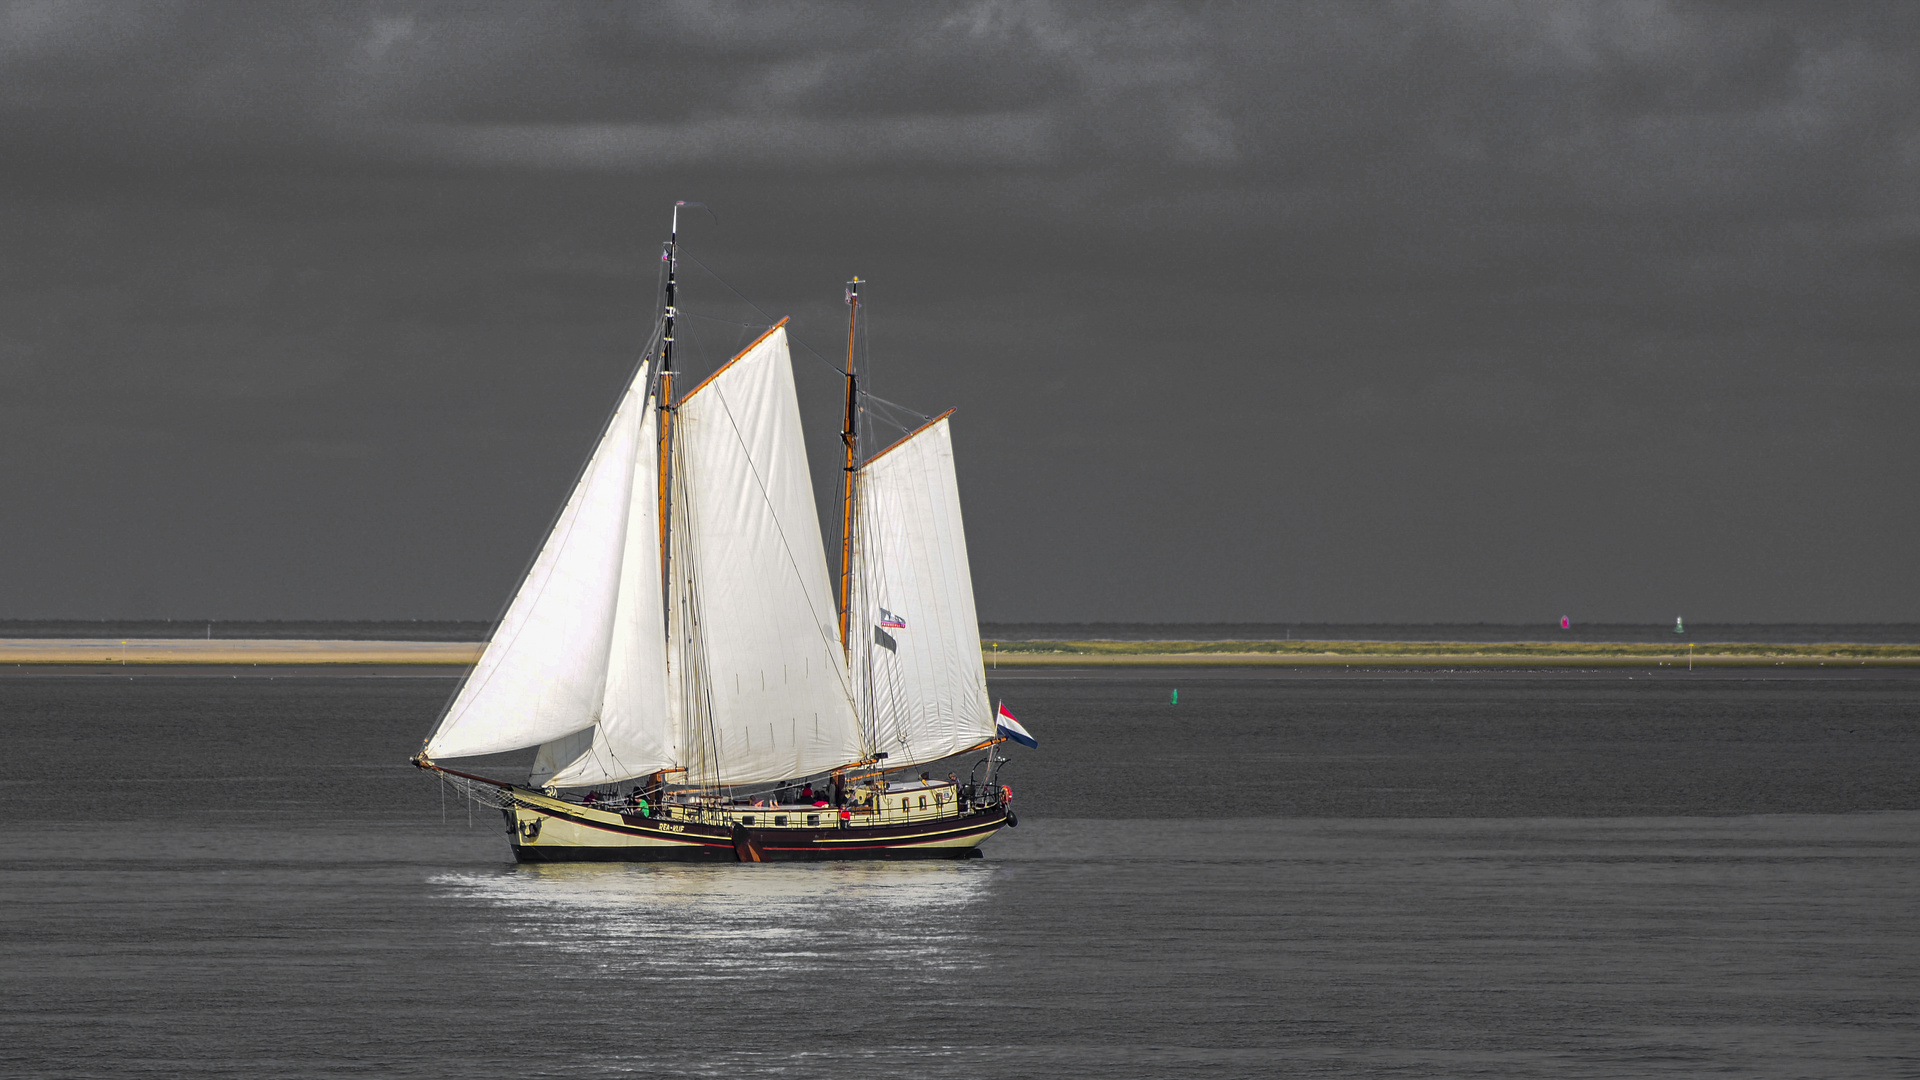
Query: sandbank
{"type": "Point", "coordinates": [1427, 654]}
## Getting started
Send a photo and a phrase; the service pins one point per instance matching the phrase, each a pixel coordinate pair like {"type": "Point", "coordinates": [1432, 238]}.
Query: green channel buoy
{"type": "Point", "coordinates": [1176, 698]}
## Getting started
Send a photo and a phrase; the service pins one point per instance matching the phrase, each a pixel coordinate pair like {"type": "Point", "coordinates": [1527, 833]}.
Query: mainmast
{"type": "Point", "coordinates": [850, 436]}
{"type": "Point", "coordinates": [665, 392]}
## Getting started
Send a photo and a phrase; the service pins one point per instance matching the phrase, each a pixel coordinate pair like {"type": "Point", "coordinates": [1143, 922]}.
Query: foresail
{"type": "Point", "coordinates": [556, 755]}
{"type": "Point", "coordinates": [913, 625]}
{"type": "Point", "coordinates": [544, 673]}
{"type": "Point", "coordinates": [636, 734]}
{"type": "Point", "coordinates": [776, 701]}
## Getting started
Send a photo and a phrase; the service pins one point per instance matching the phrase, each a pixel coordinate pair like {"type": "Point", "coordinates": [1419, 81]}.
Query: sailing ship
{"type": "Point", "coordinates": [694, 684]}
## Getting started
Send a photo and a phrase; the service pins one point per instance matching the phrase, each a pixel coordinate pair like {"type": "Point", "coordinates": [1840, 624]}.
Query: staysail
{"type": "Point", "coordinates": [776, 701]}
{"type": "Point", "coordinates": [914, 631]}
{"type": "Point", "coordinates": [545, 672]}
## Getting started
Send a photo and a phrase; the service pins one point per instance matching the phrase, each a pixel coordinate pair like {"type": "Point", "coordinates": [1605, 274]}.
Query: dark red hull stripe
{"type": "Point", "coordinates": [703, 853]}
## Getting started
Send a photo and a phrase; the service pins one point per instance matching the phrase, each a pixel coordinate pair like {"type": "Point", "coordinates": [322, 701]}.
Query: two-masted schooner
{"type": "Point", "coordinates": [694, 686]}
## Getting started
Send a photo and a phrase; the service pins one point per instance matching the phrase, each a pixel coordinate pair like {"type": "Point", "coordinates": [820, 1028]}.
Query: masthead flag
{"type": "Point", "coordinates": [1011, 728]}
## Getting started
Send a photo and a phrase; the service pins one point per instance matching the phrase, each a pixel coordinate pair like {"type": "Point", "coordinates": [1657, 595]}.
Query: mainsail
{"type": "Point", "coordinates": [776, 701]}
{"type": "Point", "coordinates": [915, 634]}
{"type": "Point", "coordinates": [545, 672]}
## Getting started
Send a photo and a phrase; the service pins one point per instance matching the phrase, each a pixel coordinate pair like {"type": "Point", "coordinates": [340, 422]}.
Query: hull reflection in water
{"type": "Point", "coordinates": [708, 921]}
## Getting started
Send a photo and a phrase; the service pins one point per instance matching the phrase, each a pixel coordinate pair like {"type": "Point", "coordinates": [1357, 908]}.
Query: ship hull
{"type": "Point", "coordinates": [549, 830]}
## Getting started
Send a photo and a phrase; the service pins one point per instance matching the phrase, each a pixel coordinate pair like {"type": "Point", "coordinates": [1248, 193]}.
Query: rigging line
{"type": "Point", "coordinates": [903, 429]}
{"type": "Point", "coordinates": [895, 405]}
{"type": "Point", "coordinates": [873, 418]}
{"type": "Point", "coordinates": [803, 344]}
{"type": "Point", "coordinates": [907, 428]}
{"type": "Point", "coordinates": [699, 741]}
{"type": "Point", "coordinates": [684, 313]}
{"type": "Point", "coordinates": [792, 561]}
{"type": "Point", "coordinates": [730, 288]}
{"type": "Point", "coordinates": [698, 351]}
{"type": "Point", "coordinates": [763, 314]}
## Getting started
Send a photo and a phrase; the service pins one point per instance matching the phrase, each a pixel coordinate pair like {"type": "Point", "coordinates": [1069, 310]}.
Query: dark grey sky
{"type": "Point", "coordinates": [1486, 311]}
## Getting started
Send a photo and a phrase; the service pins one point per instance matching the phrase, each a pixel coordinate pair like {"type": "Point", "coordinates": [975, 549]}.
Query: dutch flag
{"type": "Point", "coordinates": [1011, 728]}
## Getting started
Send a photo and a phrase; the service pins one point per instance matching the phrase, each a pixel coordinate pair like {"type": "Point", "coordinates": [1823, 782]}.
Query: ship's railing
{"type": "Point", "coordinates": [942, 801]}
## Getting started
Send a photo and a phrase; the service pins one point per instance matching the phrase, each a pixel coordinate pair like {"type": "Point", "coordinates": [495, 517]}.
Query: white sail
{"type": "Point", "coordinates": [557, 755]}
{"type": "Point", "coordinates": [924, 694]}
{"type": "Point", "coordinates": [636, 734]}
{"type": "Point", "coordinates": [777, 702]}
{"type": "Point", "coordinates": [543, 675]}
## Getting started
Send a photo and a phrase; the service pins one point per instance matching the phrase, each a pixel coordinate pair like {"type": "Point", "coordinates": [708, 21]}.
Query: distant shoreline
{"type": "Point", "coordinates": [1442, 652]}
{"type": "Point", "coordinates": [1017, 654]}
{"type": "Point", "coordinates": [197, 651]}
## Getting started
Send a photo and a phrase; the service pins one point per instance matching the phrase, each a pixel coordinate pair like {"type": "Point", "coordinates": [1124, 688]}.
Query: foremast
{"type": "Point", "coordinates": [853, 514]}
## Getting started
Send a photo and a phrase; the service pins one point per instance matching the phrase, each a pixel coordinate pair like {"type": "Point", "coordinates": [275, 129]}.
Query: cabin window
{"type": "Point", "coordinates": [923, 802]}
{"type": "Point", "coordinates": [779, 819]}
{"type": "Point", "coordinates": [746, 819]}
{"type": "Point", "coordinates": [813, 819]}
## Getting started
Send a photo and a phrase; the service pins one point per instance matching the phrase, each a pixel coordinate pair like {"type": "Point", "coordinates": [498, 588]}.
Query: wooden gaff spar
{"type": "Point", "coordinates": [692, 684]}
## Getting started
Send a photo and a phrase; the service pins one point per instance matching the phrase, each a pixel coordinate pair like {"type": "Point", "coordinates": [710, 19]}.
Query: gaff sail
{"type": "Point", "coordinates": [923, 695]}
{"type": "Point", "coordinates": [778, 702]}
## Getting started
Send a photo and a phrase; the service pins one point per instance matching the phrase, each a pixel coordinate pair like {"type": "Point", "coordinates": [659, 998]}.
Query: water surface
{"type": "Point", "coordinates": [1304, 873]}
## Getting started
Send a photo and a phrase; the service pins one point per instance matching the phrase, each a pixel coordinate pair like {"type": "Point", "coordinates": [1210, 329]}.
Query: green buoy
{"type": "Point", "coordinates": [1677, 627]}
{"type": "Point", "coordinates": [1176, 698]}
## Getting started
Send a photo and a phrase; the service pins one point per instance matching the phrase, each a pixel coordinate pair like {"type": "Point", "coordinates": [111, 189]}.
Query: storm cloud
{"type": "Point", "coordinates": [1265, 312]}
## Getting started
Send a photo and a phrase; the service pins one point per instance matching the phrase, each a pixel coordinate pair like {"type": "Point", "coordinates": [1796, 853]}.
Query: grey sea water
{"type": "Point", "coordinates": [1287, 873]}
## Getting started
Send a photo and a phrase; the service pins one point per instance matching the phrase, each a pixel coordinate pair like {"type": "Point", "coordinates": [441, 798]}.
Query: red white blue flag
{"type": "Point", "coordinates": [1011, 728]}
{"type": "Point", "coordinates": [891, 621]}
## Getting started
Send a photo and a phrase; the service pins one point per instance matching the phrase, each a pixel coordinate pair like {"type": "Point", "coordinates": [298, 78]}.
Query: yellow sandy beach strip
{"type": "Point", "coordinates": [202, 651]}
{"type": "Point", "coordinates": [1450, 654]}
{"type": "Point", "coordinates": [1387, 658]}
